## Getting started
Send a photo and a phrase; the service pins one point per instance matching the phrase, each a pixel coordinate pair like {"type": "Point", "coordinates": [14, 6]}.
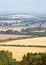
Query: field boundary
{"type": "Point", "coordinates": [24, 45]}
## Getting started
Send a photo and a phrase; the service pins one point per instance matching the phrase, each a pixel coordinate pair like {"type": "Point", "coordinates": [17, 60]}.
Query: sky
{"type": "Point", "coordinates": [23, 6]}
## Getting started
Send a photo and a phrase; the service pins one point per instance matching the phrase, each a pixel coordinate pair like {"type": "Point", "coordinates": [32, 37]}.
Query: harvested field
{"type": "Point", "coordinates": [18, 52]}
{"type": "Point", "coordinates": [41, 41]}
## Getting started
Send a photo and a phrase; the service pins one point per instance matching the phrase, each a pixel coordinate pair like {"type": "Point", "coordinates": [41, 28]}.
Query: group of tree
{"type": "Point", "coordinates": [29, 59]}
{"type": "Point", "coordinates": [34, 59]}
{"type": "Point", "coordinates": [27, 31]}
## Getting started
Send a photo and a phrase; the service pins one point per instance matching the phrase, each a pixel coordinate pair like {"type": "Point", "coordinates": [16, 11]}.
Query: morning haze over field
{"type": "Point", "coordinates": [22, 32]}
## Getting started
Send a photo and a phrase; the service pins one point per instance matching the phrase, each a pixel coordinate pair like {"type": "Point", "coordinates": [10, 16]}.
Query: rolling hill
{"type": "Point", "coordinates": [22, 20]}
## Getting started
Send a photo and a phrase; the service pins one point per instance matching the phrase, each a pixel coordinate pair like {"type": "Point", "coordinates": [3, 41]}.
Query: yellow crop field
{"type": "Point", "coordinates": [30, 41]}
{"type": "Point", "coordinates": [18, 52]}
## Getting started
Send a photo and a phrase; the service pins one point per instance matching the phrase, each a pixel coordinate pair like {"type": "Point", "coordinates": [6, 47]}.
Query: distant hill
{"type": "Point", "coordinates": [22, 20]}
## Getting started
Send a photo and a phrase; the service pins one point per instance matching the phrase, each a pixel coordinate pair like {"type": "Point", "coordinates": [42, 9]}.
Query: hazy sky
{"type": "Point", "coordinates": [24, 6]}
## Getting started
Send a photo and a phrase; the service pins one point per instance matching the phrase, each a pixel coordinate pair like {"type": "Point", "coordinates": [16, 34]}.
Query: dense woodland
{"type": "Point", "coordinates": [29, 59]}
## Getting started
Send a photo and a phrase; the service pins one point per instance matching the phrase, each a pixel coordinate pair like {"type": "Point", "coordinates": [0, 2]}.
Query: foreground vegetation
{"type": "Point", "coordinates": [29, 59]}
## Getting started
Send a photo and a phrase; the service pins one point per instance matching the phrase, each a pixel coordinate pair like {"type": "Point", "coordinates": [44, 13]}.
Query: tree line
{"type": "Point", "coordinates": [27, 31]}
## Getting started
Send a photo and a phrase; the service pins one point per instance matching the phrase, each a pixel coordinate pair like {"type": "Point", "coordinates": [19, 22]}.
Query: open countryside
{"type": "Point", "coordinates": [18, 52]}
{"type": "Point", "coordinates": [31, 41]}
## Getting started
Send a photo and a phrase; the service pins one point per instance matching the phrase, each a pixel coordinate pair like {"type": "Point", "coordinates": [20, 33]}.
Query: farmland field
{"type": "Point", "coordinates": [18, 52]}
{"type": "Point", "coordinates": [30, 41]}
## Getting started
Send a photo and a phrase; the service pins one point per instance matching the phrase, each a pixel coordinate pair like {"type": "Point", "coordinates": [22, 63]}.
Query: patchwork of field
{"type": "Point", "coordinates": [18, 52]}
{"type": "Point", "coordinates": [20, 27]}
{"type": "Point", "coordinates": [41, 41]}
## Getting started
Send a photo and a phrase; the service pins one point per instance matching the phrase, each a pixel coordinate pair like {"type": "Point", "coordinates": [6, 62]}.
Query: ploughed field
{"type": "Point", "coordinates": [41, 41]}
{"type": "Point", "coordinates": [8, 36]}
{"type": "Point", "coordinates": [18, 52]}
